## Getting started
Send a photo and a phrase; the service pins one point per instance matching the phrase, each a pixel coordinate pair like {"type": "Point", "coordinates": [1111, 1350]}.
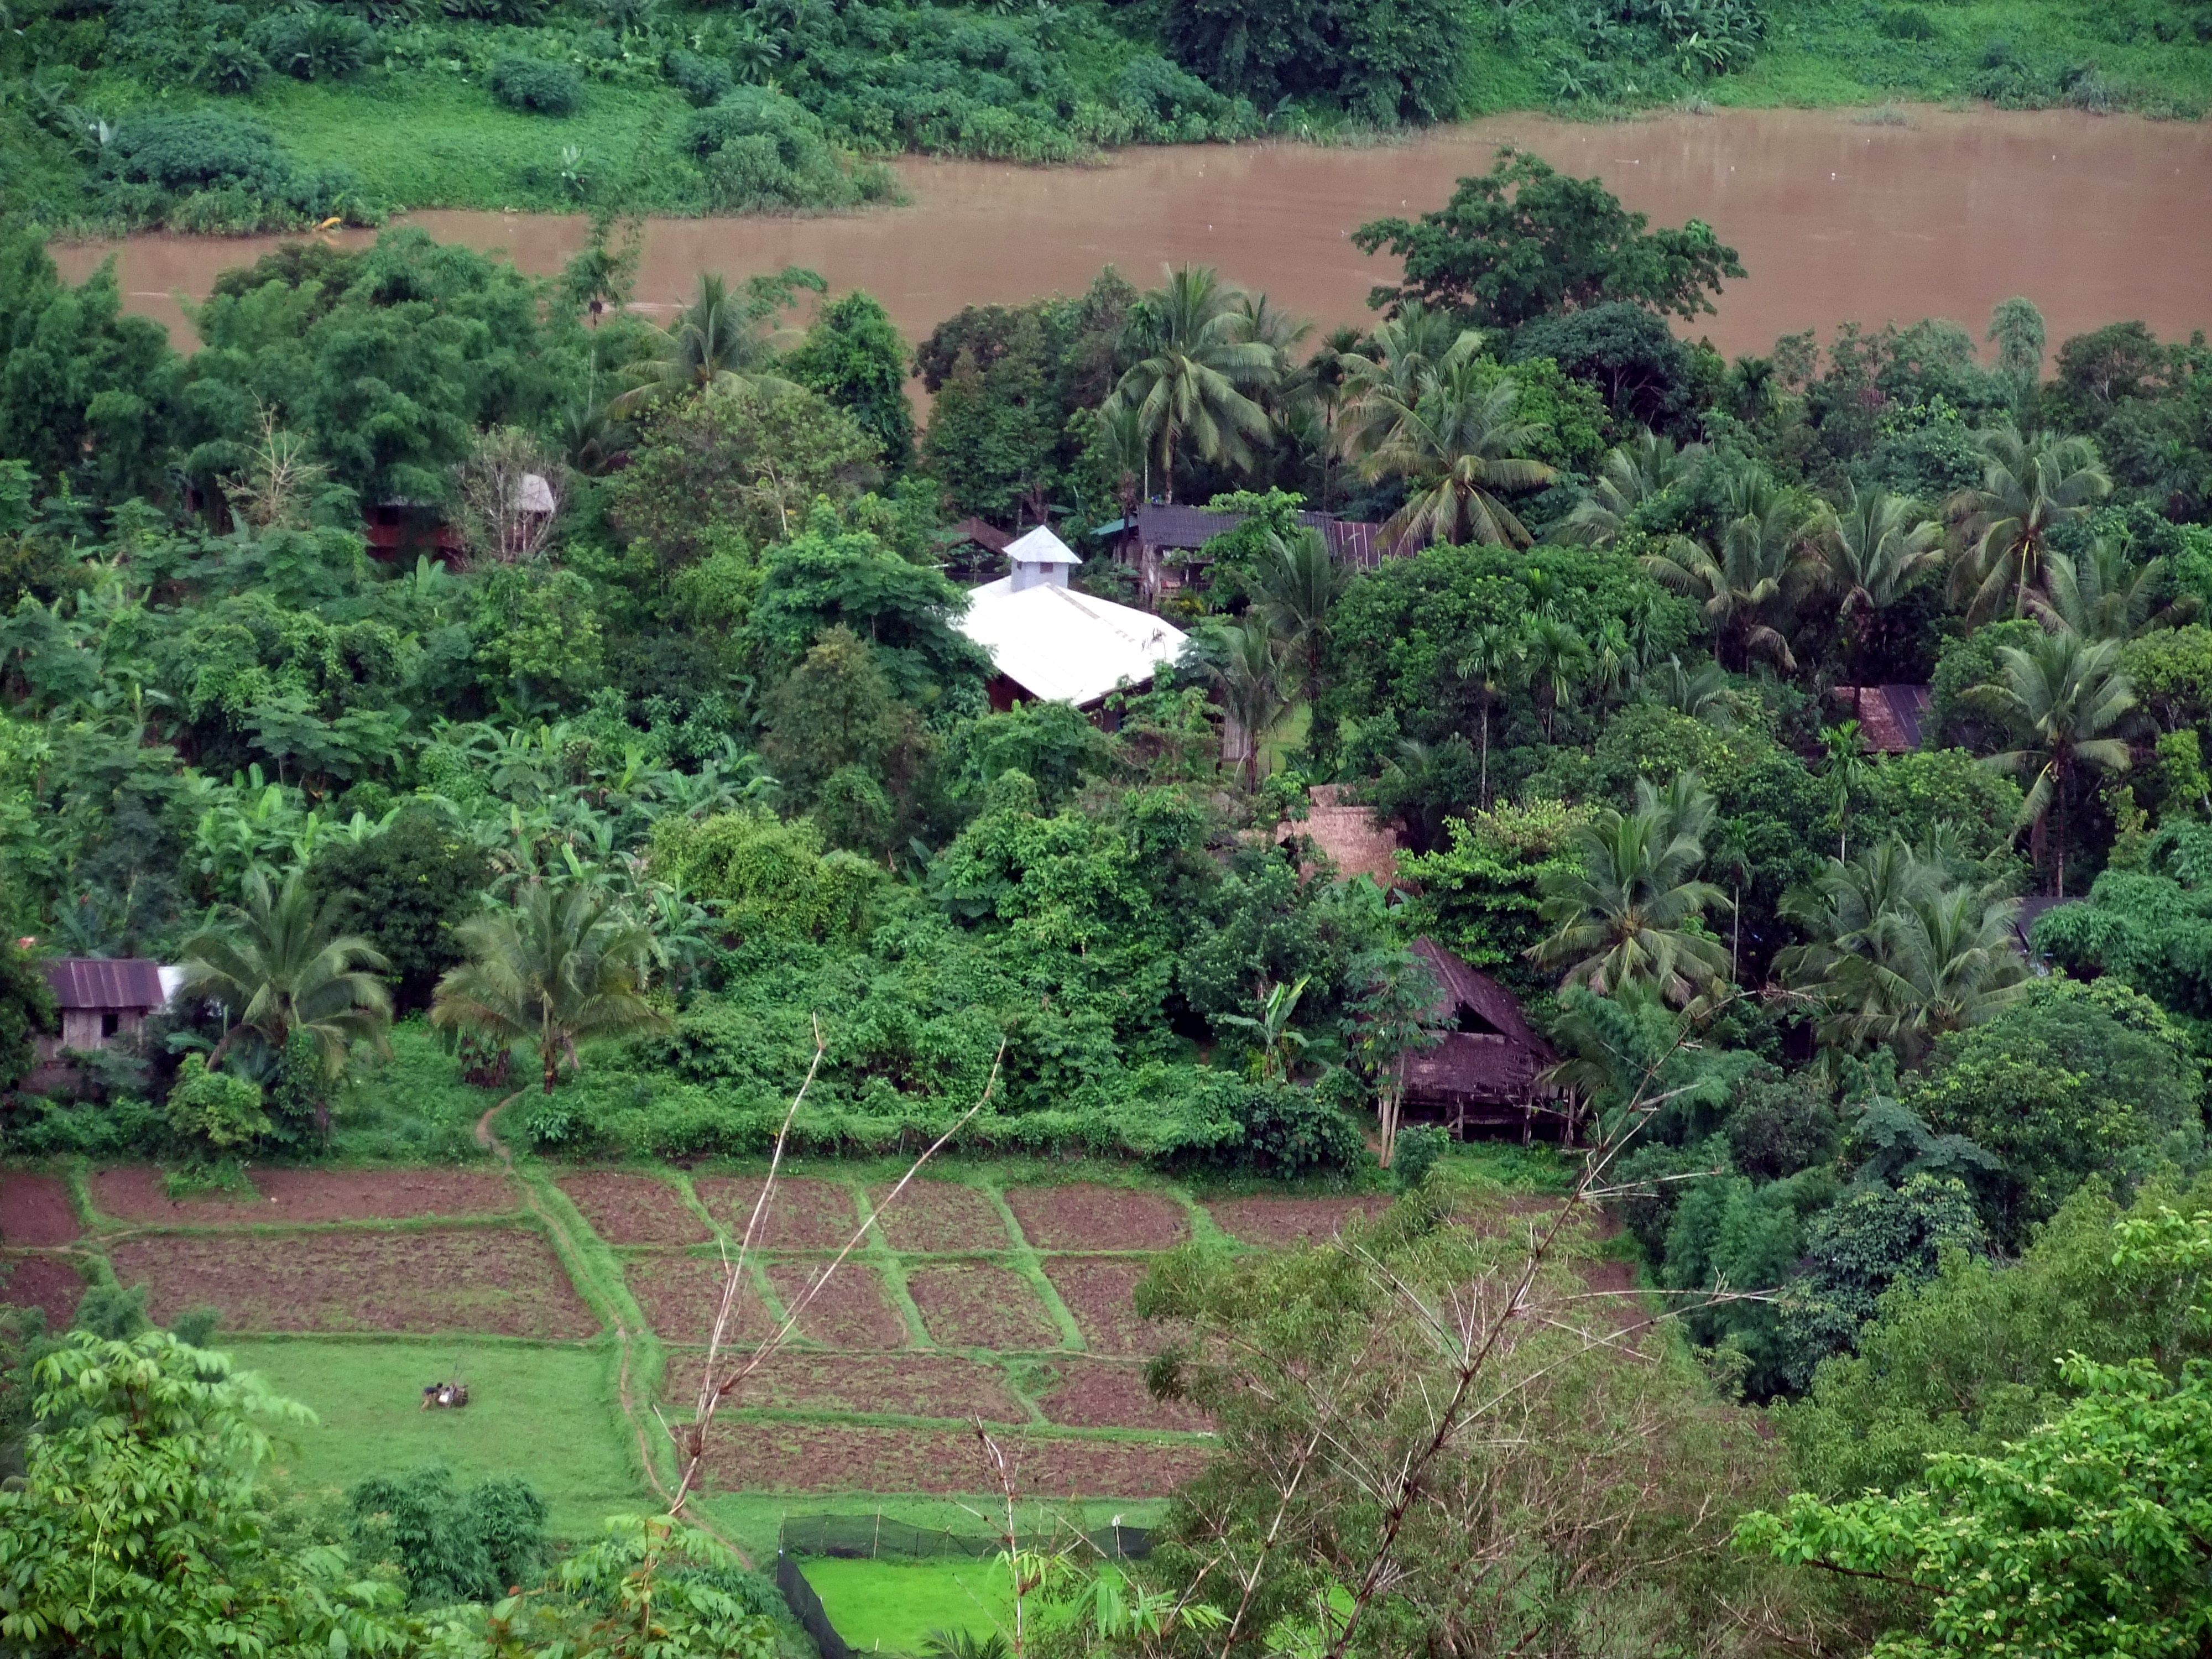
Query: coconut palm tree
{"type": "Point", "coordinates": [1556, 658]}
{"type": "Point", "coordinates": [2103, 596]}
{"type": "Point", "coordinates": [1494, 655]}
{"type": "Point", "coordinates": [2063, 696]}
{"type": "Point", "coordinates": [1625, 912]}
{"type": "Point", "coordinates": [1199, 373]}
{"type": "Point", "coordinates": [1298, 586]}
{"type": "Point", "coordinates": [1241, 664]}
{"type": "Point", "coordinates": [562, 968]}
{"type": "Point", "coordinates": [1704, 693]}
{"type": "Point", "coordinates": [282, 964]}
{"type": "Point", "coordinates": [1383, 374]}
{"type": "Point", "coordinates": [1632, 474]}
{"type": "Point", "coordinates": [1748, 586]}
{"type": "Point", "coordinates": [1457, 447]}
{"type": "Point", "coordinates": [719, 339]}
{"type": "Point", "coordinates": [1897, 953]}
{"type": "Point", "coordinates": [2030, 486]}
{"type": "Point", "coordinates": [1870, 546]}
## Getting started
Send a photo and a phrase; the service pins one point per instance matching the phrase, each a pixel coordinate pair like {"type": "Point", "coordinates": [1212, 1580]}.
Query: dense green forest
{"type": "Point", "coordinates": [649, 808]}
{"type": "Point", "coordinates": [210, 115]}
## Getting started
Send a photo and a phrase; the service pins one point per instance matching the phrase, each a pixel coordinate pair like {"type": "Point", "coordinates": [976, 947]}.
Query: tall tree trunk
{"type": "Point", "coordinates": [1485, 750]}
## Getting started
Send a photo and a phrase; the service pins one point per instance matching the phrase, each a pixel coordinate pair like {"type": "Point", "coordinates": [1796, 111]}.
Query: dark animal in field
{"type": "Point", "coordinates": [445, 1394]}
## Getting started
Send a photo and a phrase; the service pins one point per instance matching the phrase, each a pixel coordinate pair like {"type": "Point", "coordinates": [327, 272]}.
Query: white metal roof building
{"type": "Point", "coordinates": [1050, 642]}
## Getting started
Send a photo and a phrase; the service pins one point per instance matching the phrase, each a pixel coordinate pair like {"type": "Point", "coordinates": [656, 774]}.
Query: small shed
{"type": "Point", "coordinates": [100, 1000]}
{"type": "Point", "coordinates": [1485, 1072]}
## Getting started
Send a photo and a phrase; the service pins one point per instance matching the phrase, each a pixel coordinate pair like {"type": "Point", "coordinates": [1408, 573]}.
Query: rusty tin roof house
{"type": "Point", "coordinates": [100, 1000]}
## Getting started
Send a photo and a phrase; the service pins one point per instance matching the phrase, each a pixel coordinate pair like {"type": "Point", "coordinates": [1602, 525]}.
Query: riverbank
{"type": "Point", "coordinates": [418, 124]}
{"type": "Point", "coordinates": [1836, 215]}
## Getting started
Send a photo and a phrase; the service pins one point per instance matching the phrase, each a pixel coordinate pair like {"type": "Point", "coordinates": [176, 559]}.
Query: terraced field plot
{"type": "Point", "coordinates": [967, 1303]}
{"type": "Point", "coordinates": [500, 1282]}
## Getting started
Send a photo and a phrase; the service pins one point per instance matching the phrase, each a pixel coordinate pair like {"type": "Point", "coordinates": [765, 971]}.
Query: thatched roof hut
{"type": "Point", "coordinates": [1485, 1069]}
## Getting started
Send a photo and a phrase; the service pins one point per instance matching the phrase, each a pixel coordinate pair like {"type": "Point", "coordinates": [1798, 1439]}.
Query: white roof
{"type": "Point", "coordinates": [1066, 647]}
{"type": "Point", "coordinates": [1041, 546]}
{"type": "Point", "coordinates": [533, 493]}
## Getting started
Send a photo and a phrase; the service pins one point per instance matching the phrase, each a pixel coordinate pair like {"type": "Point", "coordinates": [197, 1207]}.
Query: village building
{"type": "Point", "coordinates": [1048, 642]}
{"type": "Point", "coordinates": [1487, 1070]}
{"type": "Point", "coordinates": [101, 999]}
{"type": "Point", "coordinates": [1893, 719]}
{"type": "Point", "coordinates": [1160, 541]}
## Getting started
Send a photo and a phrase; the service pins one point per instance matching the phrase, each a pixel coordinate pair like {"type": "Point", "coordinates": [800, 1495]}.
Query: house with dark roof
{"type": "Point", "coordinates": [100, 1000]}
{"type": "Point", "coordinates": [1893, 719]}
{"type": "Point", "coordinates": [1158, 540]}
{"type": "Point", "coordinates": [1486, 1071]}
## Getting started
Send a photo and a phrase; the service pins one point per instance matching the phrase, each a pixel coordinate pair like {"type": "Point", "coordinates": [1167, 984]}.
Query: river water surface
{"type": "Point", "coordinates": [1835, 215]}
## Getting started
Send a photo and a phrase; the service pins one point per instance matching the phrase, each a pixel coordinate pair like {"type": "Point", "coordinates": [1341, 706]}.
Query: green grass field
{"type": "Point", "coordinates": [889, 1607]}
{"type": "Point", "coordinates": [546, 1413]}
{"type": "Point", "coordinates": [751, 1521]}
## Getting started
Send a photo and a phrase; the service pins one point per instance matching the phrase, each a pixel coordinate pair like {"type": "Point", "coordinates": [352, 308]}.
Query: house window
{"type": "Point", "coordinates": [109, 1025]}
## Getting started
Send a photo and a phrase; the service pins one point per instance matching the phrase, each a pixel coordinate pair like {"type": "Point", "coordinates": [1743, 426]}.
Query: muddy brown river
{"type": "Point", "coordinates": [1837, 215]}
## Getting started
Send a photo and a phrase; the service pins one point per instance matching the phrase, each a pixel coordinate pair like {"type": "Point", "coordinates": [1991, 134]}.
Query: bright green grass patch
{"type": "Point", "coordinates": [1537, 1169]}
{"type": "Point", "coordinates": [413, 1108]}
{"type": "Point", "coordinates": [752, 1521]}
{"type": "Point", "coordinates": [431, 140]}
{"type": "Point", "coordinates": [890, 1606]}
{"type": "Point", "coordinates": [546, 1414]}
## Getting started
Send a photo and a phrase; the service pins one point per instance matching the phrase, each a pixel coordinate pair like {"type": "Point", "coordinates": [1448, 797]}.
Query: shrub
{"type": "Point", "coordinates": [521, 13]}
{"type": "Point", "coordinates": [762, 151]}
{"type": "Point", "coordinates": [543, 88]}
{"type": "Point", "coordinates": [316, 43]}
{"type": "Point", "coordinates": [203, 150]}
{"type": "Point", "coordinates": [702, 80]}
{"type": "Point", "coordinates": [1906, 23]}
{"type": "Point", "coordinates": [216, 1109]}
{"type": "Point", "coordinates": [452, 1546]}
{"type": "Point", "coordinates": [230, 67]}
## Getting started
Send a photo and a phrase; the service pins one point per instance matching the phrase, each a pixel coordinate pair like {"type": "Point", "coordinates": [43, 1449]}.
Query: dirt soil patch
{"type": "Point", "coordinates": [803, 1215]}
{"type": "Point", "coordinates": [1104, 1394]}
{"type": "Point", "coordinates": [757, 1456]}
{"type": "Point", "coordinates": [506, 1282]}
{"type": "Point", "coordinates": [289, 1196]}
{"type": "Point", "coordinates": [1084, 1216]}
{"type": "Point", "coordinates": [1101, 1294]}
{"type": "Point", "coordinates": [624, 1208]}
{"type": "Point", "coordinates": [913, 1385]}
{"type": "Point", "coordinates": [974, 1306]}
{"type": "Point", "coordinates": [35, 1209]}
{"type": "Point", "coordinates": [851, 1311]}
{"type": "Point", "coordinates": [934, 1217]}
{"type": "Point", "coordinates": [50, 1283]}
{"type": "Point", "coordinates": [1281, 1222]}
{"type": "Point", "coordinates": [1617, 1305]}
{"type": "Point", "coordinates": [678, 1295]}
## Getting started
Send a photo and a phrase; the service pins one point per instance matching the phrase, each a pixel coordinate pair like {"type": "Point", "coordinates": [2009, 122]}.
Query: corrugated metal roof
{"type": "Point", "coordinates": [1040, 546]}
{"type": "Point", "coordinates": [128, 984]}
{"type": "Point", "coordinates": [1892, 718]}
{"type": "Point", "coordinates": [1066, 647]}
{"type": "Point", "coordinates": [1185, 527]}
